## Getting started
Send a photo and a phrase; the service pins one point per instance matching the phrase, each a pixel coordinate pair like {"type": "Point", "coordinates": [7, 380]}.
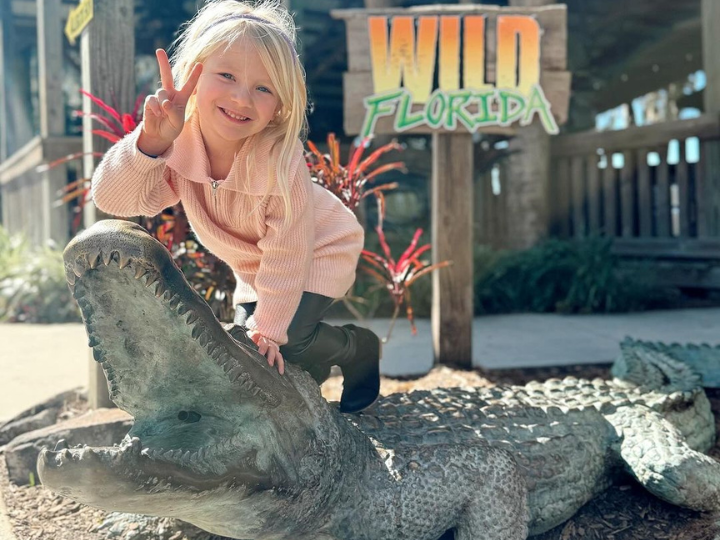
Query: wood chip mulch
{"type": "Point", "coordinates": [623, 512]}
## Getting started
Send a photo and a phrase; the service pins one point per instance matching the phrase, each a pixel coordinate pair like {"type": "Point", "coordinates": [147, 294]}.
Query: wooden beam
{"type": "Point", "coordinates": [528, 179]}
{"type": "Point", "coordinates": [452, 239]}
{"type": "Point", "coordinates": [711, 54]}
{"type": "Point", "coordinates": [710, 204]}
{"type": "Point", "coordinates": [28, 9]}
{"type": "Point", "coordinates": [52, 115]}
{"type": "Point", "coordinates": [5, 19]}
{"type": "Point", "coordinates": [25, 159]}
{"type": "Point", "coordinates": [50, 68]}
{"type": "Point", "coordinates": [108, 53]}
{"type": "Point", "coordinates": [706, 126]}
{"type": "Point", "coordinates": [675, 248]}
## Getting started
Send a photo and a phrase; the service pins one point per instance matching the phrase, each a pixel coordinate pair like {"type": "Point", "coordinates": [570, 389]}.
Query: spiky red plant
{"type": "Point", "coordinates": [398, 277]}
{"type": "Point", "coordinates": [350, 182]}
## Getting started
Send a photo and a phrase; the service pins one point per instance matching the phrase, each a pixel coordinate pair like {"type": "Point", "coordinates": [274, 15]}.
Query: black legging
{"type": "Point", "coordinates": [312, 344]}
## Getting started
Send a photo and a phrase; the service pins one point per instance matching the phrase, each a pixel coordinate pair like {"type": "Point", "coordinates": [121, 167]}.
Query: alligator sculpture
{"type": "Point", "coordinates": [224, 442]}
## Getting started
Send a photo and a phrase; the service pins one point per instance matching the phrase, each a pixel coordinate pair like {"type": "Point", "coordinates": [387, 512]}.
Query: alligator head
{"type": "Point", "coordinates": [214, 424]}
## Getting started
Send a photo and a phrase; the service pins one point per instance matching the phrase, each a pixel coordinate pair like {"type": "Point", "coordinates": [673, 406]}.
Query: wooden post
{"type": "Point", "coordinates": [452, 239]}
{"type": "Point", "coordinates": [528, 181]}
{"type": "Point", "coordinates": [52, 114]}
{"type": "Point", "coordinates": [108, 56]}
{"type": "Point", "coordinates": [709, 209]}
{"type": "Point", "coordinates": [5, 17]}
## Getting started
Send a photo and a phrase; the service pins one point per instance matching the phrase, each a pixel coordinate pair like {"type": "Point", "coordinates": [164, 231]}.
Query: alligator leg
{"type": "Point", "coordinates": [656, 454]}
{"type": "Point", "coordinates": [497, 510]}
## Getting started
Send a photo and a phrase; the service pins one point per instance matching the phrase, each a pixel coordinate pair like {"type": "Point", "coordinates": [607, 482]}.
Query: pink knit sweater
{"type": "Point", "coordinates": [273, 265]}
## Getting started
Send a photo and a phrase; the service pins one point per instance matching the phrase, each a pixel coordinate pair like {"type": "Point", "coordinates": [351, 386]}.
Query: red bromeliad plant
{"type": "Point", "coordinates": [116, 125]}
{"type": "Point", "coordinates": [208, 274]}
{"type": "Point", "coordinates": [397, 277]}
{"type": "Point", "coordinates": [349, 183]}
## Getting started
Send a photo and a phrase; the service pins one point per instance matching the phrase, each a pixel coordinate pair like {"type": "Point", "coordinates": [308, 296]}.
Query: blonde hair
{"type": "Point", "coordinates": [272, 29]}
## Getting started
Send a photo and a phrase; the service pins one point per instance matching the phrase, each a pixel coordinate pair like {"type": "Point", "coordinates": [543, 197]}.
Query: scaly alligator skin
{"type": "Point", "coordinates": [222, 441]}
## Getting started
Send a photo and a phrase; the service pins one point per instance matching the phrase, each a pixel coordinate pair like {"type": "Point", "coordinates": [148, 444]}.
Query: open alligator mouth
{"type": "Point", "coordinates": [195, 392]}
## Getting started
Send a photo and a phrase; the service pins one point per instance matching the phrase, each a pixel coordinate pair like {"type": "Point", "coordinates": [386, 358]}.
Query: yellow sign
{"type": "Point", "coordinates": [78, 20]}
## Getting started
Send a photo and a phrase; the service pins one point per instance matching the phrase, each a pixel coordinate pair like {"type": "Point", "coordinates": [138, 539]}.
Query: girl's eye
{"type": "Point", "coordinates": [264, 89]}
{"type": "Point", "coordinates": [227, 76]}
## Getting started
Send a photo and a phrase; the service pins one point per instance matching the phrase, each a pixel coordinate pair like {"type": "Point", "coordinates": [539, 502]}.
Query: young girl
{"type": "Point", "coordinates": [222, 136]}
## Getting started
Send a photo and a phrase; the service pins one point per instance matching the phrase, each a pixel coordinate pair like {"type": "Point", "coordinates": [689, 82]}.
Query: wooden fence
{"type": "Point", "coordinates": [29, 196]}
{"type": "Point", "coordinates": [652, 188]}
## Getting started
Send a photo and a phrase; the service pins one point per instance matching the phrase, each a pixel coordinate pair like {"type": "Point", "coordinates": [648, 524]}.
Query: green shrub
{"type": "Point", "coordinates": [566, 276]}
{"type": "Point", "coordinates": [32, 283]}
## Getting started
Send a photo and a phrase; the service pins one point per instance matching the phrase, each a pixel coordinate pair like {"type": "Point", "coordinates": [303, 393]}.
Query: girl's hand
{"type": "Point", "coordinates": [165, 110]}
{"type": "Point", "coordinates": [270, 349]}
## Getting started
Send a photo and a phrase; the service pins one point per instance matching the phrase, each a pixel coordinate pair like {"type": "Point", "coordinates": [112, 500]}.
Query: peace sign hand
{"type": "Point", "coordinates": [165, 110]}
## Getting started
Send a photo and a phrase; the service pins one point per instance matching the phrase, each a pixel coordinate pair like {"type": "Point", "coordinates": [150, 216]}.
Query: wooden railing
{"type": "Point", "coordinates": [28, 196]}
{"type": "Point", "coordinates": [621, 184]}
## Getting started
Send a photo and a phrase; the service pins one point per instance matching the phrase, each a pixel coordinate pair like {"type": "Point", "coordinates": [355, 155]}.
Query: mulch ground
{"type": "Point", "coordinates": [623, 512]}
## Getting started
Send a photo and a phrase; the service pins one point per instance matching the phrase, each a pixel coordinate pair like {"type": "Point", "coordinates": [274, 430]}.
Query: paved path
{"type": "Point", "coordinates": [37, 361]}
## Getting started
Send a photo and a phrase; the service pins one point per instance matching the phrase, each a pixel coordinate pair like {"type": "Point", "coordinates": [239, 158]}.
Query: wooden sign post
{"type": "Point", "coordinates": [454, 70]}
{"type": "Point", "coordinates": [108, 71]}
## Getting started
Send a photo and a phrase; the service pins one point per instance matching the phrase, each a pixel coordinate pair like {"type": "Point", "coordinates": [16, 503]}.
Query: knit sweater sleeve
{"type": "Point", "coordinates": [130, 183]}
{"type": "Point", "coordinates": [286, 257]}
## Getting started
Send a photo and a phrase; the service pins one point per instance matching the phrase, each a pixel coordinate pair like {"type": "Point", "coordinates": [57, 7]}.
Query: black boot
{"type": "Point", "coordinates": [361, 384]}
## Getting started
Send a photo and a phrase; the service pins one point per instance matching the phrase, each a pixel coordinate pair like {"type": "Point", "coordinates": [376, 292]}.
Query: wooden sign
{"type": "Point", "coordinates": [78, 20]}
{"type": "Point", "coordinates": [455, 68]}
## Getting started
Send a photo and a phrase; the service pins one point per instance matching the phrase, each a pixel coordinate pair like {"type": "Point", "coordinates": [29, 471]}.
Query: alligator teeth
{"type": "Point", "coordinates": [185, 458]}
{"type": "Point", "coordinates": [182, 308]}
{"type": "Point", "coordinates": [228, 365]}
{"type": "Point", "coordinates": [140, 272]}
{"type": "Point", "coordinates": [235, 373]}
{"type": "Point", "coordinates": [135, 444]}
{"type": "Point", "coordinates": [204, 339]}
{"type": "Point", "coordinates": [60, 445]}
{"type": "Point", "coordinates": [160, 289]}
{"type": "Point", "coordinates": [79, 266]}
{"type": "Point", "coordinates": [93, 341]}
{"type": "Point", "coordinates": [94, 260]}
{"type": "Point", "coordinates": [152, 279]}
{"type": "Point", "coordinates": [174, 301]}
{"type": "Point", "coordinates": [106, 257]}
{"type": "Point", "coordinates": [196, 331]}
{"type": "Point", "coordinates": [99, 355]}
{"type": "Point", "coordinates": [124, 260]}
{"type": "Point", "coordinates": [192, 317]}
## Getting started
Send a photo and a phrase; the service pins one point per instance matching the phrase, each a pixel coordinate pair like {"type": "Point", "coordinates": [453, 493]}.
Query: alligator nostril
{"type": "Point", "coordinates": [189, 416]}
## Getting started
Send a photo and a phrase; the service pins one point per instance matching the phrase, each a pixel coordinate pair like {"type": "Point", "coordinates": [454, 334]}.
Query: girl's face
{"type": "Point", "coordinates": [235, 97]}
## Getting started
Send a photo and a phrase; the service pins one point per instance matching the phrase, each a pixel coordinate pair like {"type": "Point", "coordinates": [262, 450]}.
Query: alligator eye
{"type": "Point", "coordinates": [189, 417]}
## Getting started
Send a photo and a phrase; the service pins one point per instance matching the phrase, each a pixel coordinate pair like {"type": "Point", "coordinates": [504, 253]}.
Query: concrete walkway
{"type": "Point", "coordinates": [38, 361]}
